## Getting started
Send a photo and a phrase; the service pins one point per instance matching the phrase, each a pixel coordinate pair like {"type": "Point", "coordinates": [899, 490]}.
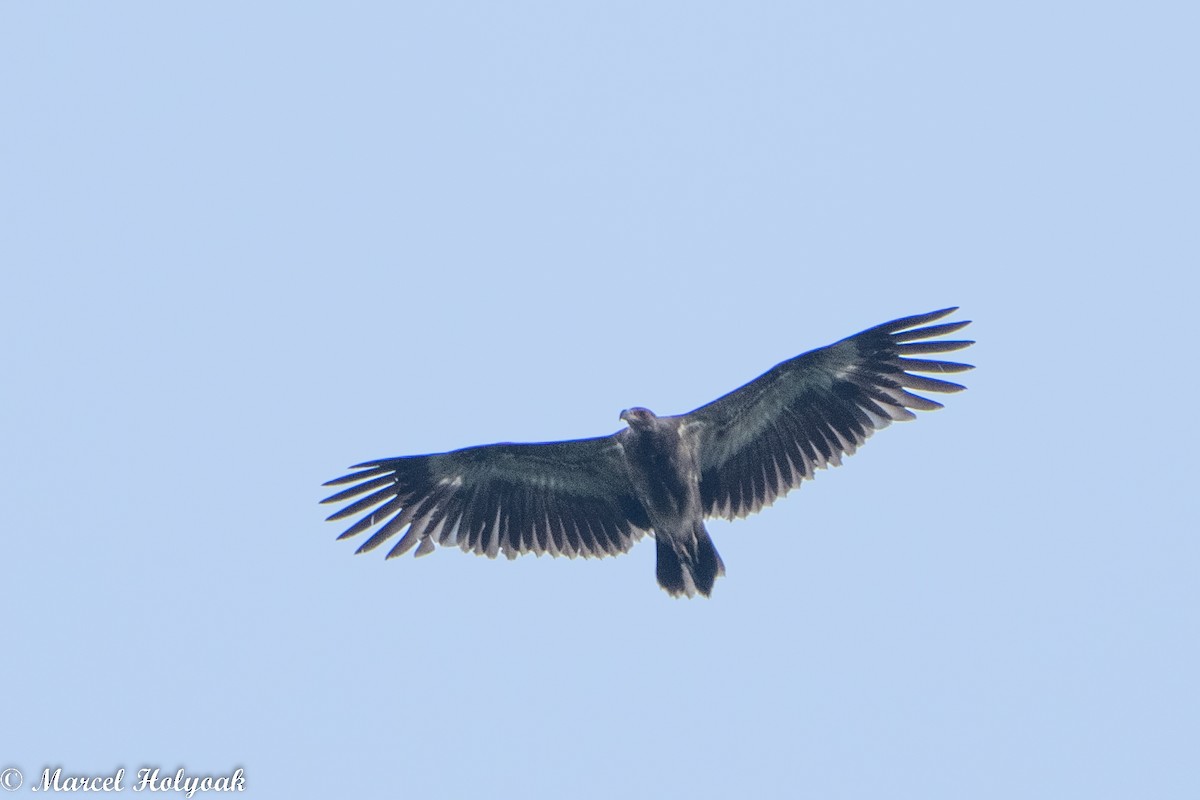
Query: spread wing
{"type": "Point", "coordinates": [564, 498]}
{"type": "Point", "coordinates": [762, 440]}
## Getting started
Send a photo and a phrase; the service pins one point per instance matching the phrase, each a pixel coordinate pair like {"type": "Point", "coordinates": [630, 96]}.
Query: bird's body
{"type": "Point", "coordinates": [662, 455]}
{"type": "Point", "coordinates": [660, 475]}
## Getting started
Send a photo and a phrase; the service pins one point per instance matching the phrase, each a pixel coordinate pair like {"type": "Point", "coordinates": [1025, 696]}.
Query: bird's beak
{"type": "Point", "coordinates": [625, 415]}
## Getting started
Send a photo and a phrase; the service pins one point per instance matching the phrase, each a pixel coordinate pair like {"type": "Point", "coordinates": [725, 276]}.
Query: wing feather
{"type": "Point", "coordinates": [765, 438]}
{"type": "Point", "coordinates": [569, 498]}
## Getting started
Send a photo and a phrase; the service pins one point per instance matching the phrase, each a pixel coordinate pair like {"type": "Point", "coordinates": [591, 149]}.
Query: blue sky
{"type": "Point", "coordinates": [246, 246]}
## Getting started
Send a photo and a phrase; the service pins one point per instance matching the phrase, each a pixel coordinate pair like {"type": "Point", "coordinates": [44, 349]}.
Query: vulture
{"type": "Point", "coordinates": [658, 476]}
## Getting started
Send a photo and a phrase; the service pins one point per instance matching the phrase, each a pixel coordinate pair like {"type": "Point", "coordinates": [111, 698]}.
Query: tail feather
{"type": "Point", "coordinates": [688, 563]}
{"type": "Point", "coordinates": [670, 569]}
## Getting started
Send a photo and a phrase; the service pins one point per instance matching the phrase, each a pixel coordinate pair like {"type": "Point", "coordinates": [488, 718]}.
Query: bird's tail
{"type": "Point", "coordinates": [688, 562]}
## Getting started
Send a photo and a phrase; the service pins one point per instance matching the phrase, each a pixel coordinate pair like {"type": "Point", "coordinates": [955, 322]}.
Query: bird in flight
{"type": "Point", "coordinates": [660, 476]}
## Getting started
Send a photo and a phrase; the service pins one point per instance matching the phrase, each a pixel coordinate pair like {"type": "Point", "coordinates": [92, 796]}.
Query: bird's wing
{"type": "Point", "coordinates": [762, 440]}
{"type": "Point", "coordinates": [564, 498]}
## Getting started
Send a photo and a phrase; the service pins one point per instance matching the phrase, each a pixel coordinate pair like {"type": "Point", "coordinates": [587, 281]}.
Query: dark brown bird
{"type": "Point", "coordinates": [661, 475]}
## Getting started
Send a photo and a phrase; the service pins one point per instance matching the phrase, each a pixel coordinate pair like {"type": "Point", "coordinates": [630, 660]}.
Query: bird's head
{"type": "Point", "coordinates": [639, 417]}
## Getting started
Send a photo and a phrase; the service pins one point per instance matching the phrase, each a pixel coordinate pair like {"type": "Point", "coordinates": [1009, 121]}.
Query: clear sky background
{"type": "Point", "coordinates": [247, 245]}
